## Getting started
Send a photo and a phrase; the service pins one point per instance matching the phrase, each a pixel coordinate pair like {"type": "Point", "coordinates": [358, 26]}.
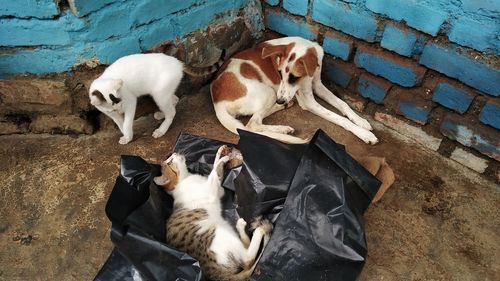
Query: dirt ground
{"type": "Point", "coordinates": [440, 221]}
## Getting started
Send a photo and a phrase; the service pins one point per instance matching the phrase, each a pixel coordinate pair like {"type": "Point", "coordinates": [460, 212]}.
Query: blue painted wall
{"type": "Point", "coordinates": [39, 38]}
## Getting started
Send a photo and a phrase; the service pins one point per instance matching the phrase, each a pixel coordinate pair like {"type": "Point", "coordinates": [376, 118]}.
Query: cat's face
{"type": "Point", "coordinates": [173, 170]}
{"type": "Point", "coordinates": [105, 93]}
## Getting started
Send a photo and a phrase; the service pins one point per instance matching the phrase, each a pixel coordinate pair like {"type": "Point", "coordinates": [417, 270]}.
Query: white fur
{"type": "Point", "coordinates": [261, 97]}
{"type": "Point", "coordinates": [133, 76]}
{"type": "Point", "coordinates": [196, 191]}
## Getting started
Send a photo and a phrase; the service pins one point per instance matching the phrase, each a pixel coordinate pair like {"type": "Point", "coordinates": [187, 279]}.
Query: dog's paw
{"type": "Point", "coordinates": [124, 140]}
{"type": "Point", "coordinates": [158, 133]}
{"type": "Point", "coordinates": [280, 129]}
{"type": "Point", "coordinates": [223, 151]}
{"type": "Point", "coordinates": [363, 123]}
{"type": "Point", "coordinates": [368, 137]}
{"type": "Point", "coordinates": [159, 115]}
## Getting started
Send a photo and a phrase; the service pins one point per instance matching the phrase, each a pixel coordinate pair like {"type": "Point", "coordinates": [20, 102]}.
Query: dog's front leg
{"type": "Point", "coordinates": [326, 95]}
{"type": "Point", "coordinates": [306, 100]}
{"type": "Point", "coordinates": [128, 122]}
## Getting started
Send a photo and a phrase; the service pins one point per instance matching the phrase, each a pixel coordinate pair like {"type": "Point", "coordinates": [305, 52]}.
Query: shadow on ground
{"type": "Point", "coordinates": [439, 221]}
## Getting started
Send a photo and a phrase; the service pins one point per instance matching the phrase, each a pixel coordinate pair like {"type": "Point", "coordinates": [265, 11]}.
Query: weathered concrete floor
{"type": "Point", "coordinates": [439, 221]}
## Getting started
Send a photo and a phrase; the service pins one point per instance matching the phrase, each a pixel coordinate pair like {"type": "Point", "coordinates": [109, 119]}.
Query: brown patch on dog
{"type": "Point", "coordinates": [292, 57]}
{"type": "Point", "coordinates": [249, 72]}
{"type": "Point", "coordinates": [307, 64]}
{"type": "Point", "coordinates": [265, 65]}
{"type": "Point", "coordinates": [227, 87]}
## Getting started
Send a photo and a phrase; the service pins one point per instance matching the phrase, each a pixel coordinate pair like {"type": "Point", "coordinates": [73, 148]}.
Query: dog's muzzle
{"type": "Point", "coordinates": [280, 101]}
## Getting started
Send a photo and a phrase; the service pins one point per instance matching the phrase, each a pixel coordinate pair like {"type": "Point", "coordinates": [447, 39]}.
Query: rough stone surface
{"type": "Point", "coordinates": [7, 128]}
{"type": "Point", "coordinates": [70, 124]}
{"type": "Point", "coordinates": [469, 160]}
{"type": "Point", "coordinates": [408, 130]}
{"type": "Point", "coordinates": [33, 95]}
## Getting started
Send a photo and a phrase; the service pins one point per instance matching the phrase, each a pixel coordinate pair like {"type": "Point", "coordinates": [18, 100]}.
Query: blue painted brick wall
{"type": "Point", "coordinates": [414, 111]}
{"type": "Point", "coordinates": [95, 29]}
{"type": "Point", "coordinates": [336, 46]}
{"type": "Point", "coordinates": [481, 35]}
{"type": "Point", "coordinates": [347, 18]}
{"type": "Point", "coordinates": [404, 73]}
{"type": "Point", "coordinates": [471, 135]}
{"type": "Point", "coordinates": [490, 114]}
{"type": "Point", "coordinates": [398, 40]}
{"type": "Point", "coordinates": [337, 72]}
{"type": "Point", "coordinates": [415, 13]}
{"type": "Point", "coordinates": [297, 7]}
{"type": "Point", "coordinates": [285, 25]}
{"type": "Point", "coordinates": [85, 7]}
{"type": "Point", "coordinates": [473, 73]}
{"type": "Point", "coordinates": [373, 88]}
{"type": "Point", "coordinates": [273, 2]}
{"type": "Point", "coordinates": [452, 97]}
{"type": "Point", "coordinates": [41, 9]}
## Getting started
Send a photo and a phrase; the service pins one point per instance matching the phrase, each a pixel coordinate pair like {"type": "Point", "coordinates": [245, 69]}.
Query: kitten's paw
{"type": "Point", "coordinates": [264, 224]}
{"type": "Point", "coordinates": [159, 115]}
{"type": "Point", "coordinates": [236, 158]}
{"type": "Point", "coordinates": [124, 140]}
{"type": "Point", "coordinates": [241, 224]}
{"type": "Point", "coordinates": [158, 133]}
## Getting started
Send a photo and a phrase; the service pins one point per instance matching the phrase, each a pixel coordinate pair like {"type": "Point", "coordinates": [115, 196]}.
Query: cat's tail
{"type": "Point", "coordinates": [233, 124]}
{"type": "Point", "coordinates": [204, 71]}
{"type": "Point", "coordinates": [268, 227]}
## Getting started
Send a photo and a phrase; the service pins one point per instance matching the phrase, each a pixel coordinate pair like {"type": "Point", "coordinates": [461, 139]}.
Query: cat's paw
{"type": "Point", "coordinates": [241, 224]}
{"type": "Point", "coordinates": [235, 158]}
{"type": "Point", "coordinates": [124, 140]}
{"type": "Point", "coordinates": [158, 133]}
{"type": "Point", "coordinates": [264, 224]}
{"type": "Point", "coordinates": [159, 115]}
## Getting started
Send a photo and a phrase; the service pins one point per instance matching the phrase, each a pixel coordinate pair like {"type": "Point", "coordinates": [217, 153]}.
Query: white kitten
{"type": "Point", "coordinates": [115, 92]}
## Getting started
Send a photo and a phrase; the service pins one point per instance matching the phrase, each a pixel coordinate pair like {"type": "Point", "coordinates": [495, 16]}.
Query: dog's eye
{"type": "Point", "coordinates": [292, 78]}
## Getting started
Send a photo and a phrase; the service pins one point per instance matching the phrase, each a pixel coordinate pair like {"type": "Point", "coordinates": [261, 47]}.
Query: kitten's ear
{"type": "Point", "coordinates": [161, 181]}
{"type": "Point", "coordinates": [96, 97]}
{"type": "Point", "coordinates": [117, 84]}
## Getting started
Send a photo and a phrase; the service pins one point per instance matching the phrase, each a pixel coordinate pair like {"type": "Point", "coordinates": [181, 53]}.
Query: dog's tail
{"type": "Point", "coordinates": [204, 71]}
{"type": "Point", "coordinates": [233, 124]}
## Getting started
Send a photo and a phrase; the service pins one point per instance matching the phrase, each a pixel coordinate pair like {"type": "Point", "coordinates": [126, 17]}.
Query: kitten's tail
{"type": "Point", "coordinates": [245, 274]}
{"type": "Point", "coordinates": [204, 71]}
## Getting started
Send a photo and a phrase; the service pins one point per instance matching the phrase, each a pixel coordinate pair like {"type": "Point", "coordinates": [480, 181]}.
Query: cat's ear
{"type": "Point", "coordinates": [116, 84]}
{"type": "Point", "coordinates": [96, 97]}
{"type": "Point", "coordinates": [161, 181]}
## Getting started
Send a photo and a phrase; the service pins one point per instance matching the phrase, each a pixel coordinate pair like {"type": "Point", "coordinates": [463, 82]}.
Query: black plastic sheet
{"type": "Point", "coordinates": [315, 195]}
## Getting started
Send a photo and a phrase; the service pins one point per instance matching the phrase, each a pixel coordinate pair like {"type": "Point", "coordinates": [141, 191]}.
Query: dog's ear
{"type": "Point", "coordinates": [116, 84]}
{"type": "Point", "coordinates": [308, 63]}
{"type": "Point", "coordinates": [273, 50]}
{"type": "Point", "coordinates": [97, 97]}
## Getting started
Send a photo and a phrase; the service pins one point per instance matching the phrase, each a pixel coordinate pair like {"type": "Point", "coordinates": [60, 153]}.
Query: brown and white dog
{"type": "Point", "coordinates": [264, 79]}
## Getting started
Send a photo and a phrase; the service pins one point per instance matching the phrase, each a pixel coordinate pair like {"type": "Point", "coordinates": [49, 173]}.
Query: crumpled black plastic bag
{"type": "Point", "coordinates": [314, 194]}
